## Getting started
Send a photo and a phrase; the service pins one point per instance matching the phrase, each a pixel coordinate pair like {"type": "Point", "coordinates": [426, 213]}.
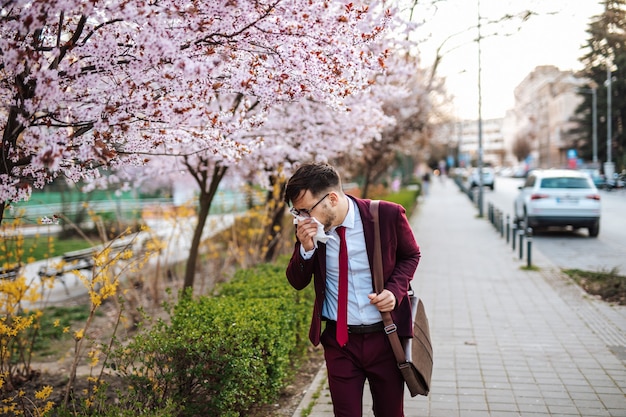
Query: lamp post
{"type": "Point", "coordinates": [480, 124]}
{"type": "Point", "coordinates": [594, 121]}
{"type": "Point", "coordinates": [609, 167]}
{"type": "Point", "coordinates": [609, 119]}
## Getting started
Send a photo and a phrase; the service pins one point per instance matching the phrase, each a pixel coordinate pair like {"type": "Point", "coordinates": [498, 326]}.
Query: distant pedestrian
{"type": "Point", "coordinates": [395, 185]}
{"type": "Point", "coordinates": [425, 183]}
{"type": "Point", "coordinates": [335, 235]}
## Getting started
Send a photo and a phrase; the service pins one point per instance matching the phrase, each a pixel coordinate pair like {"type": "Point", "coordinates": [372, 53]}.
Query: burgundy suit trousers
{"type": "Point", "coordinates": [366, 356]}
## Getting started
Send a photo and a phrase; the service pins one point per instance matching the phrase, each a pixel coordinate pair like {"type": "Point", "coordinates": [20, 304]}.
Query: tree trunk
{"type": "Point", "coordinates": [366, 183]}
{"type": "Point", "coordinates": [276, 212]}
{"type": "Point", "coordinates": [9, 140]}
{"type": "Point", "coordinates": [203, 213]}
{"type": "Point", "coordinates": [207, 193]}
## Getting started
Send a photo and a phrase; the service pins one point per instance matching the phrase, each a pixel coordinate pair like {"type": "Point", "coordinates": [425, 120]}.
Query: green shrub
{"type": "Point", "coordinates": [406, 198]}
{"type": "Point", "coordinates": [221, 355]}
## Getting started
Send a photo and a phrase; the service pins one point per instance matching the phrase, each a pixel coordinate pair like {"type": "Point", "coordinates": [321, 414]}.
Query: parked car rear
{"type": "Point", "coordinates": [489, 176]}
{"type": "Point", "coordinates": [559, 198]}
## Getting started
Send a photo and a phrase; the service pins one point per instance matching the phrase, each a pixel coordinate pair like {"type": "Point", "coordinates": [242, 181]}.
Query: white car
{"type": "Point", "coordinates": [559, 197]}
{"type": "Point", "coordinates": [489, 175]}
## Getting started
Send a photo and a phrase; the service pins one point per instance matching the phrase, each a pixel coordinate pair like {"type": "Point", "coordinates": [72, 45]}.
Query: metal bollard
{"type": "Point", "coordinates": [494, 221]}
{"type": "Point", "coordinates": [513, 235]}
{"type": "Point", "coordinates": [497, 219]}
{"type": "Point", "coordinates": [501, 226]}
{"type": "Point", "coordinates": [508, 228]}
{"type": "Point", "coordinates": [529, 247]}
{"type": "Point", "coordinates": [520, 236]}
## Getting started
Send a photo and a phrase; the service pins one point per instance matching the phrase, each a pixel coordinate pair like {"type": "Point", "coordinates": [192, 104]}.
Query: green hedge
{"type": "Point", "coordinates": [406, 198]}
{"type": "Point", "coordinates": [221, 355]}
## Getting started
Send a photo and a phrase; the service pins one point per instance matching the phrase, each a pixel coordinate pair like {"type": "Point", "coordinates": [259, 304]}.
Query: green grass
{"type": "Point", "coordinates": [40, 248]}
{"type": "Point", "coordinates": [306, 412]}
{"type": "Point", "coordinates": [51, 338]}
{"type": "Point", "coordinates": [530, 268]}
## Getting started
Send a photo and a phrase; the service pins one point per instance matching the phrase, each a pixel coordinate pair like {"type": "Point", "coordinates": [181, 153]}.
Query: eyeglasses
{"type": "Point", "coordinates": [305, 212]}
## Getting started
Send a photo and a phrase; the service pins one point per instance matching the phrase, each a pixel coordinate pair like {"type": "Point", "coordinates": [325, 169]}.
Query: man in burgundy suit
{"type": "Point", "coordinates": [322, 210]}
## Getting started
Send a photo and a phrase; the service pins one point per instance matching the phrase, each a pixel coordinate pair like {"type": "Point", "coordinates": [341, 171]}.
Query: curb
{"type": "Point", "coordinates": [313, 392]}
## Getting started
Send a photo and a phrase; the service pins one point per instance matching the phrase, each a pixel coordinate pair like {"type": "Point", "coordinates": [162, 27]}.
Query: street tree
{"type": "Point", "coordinates": [91, 86]}
{"type": "Point", "coordinates": [521, 147]}
{"type": "Point", "coordinates": [605, 47]}
{"type": "Point", "coordinates": [94, 86]}
{"type": "Point", "coordinates": [405, 91]}
{"type": "Point", "coordinates": [306, 131]}
{"type": "Point", "coordinates": [292, 133]}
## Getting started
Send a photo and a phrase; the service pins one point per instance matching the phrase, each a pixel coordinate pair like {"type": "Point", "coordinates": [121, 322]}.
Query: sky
{"type": "Point", "coordinates": [552, 37]}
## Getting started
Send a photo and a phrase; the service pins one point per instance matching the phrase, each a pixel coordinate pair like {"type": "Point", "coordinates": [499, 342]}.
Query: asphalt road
{"type": "Point", "coordinates": [574, 248]}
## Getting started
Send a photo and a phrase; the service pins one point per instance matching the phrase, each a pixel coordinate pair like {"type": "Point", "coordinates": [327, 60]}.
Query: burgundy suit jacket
{"type": "Point", "coordinates": [400, 254]}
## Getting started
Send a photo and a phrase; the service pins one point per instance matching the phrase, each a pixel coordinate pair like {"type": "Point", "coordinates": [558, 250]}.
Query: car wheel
{"type": "Point", "coordinates": [594, 229]}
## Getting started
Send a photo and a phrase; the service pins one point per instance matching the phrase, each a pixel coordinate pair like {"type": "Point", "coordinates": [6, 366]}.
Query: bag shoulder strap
{"type": "Point", "coordinates": [390, 327]}
{"type": "Point", "coordinates": [378, 256]}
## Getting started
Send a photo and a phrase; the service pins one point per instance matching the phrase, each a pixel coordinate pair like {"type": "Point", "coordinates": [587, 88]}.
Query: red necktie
{"type": "Point", "coordinates": [342, 301]}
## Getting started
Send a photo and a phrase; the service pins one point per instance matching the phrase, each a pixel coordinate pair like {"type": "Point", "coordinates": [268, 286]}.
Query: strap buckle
{"type": "Point", "coordinates": [391, 328]}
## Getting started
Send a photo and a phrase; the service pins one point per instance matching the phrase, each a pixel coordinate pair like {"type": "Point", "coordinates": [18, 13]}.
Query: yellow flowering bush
{"type": "Point", "coordinates": [21, 309]}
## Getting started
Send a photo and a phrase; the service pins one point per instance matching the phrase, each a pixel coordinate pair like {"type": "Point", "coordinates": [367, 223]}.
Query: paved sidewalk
{"type": "Point", "coordinates": [506, 341]}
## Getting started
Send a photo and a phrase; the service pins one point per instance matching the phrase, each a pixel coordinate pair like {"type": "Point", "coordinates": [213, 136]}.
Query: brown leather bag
{"type": "Point", "coordinates": [414, 356]}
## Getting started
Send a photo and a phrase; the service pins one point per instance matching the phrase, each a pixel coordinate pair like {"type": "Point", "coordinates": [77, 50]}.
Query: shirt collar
{"type": "Point", "coordinates": [348, 222]}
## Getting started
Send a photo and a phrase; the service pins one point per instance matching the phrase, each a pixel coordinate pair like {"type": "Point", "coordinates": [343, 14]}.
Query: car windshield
{"type": "Point", "coordinates": [564, 183]}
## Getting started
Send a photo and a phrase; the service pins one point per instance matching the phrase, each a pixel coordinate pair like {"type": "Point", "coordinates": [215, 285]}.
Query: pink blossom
{"type": "Point", "coordinates": [126, 82]}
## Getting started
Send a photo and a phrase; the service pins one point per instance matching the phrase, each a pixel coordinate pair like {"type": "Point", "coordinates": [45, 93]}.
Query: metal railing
{"type": "Point", "coordinates": [231, 202]}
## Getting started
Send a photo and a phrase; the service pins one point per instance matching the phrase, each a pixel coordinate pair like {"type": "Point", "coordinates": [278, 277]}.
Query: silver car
{"type": "Point", "coordinates": [489, 175]}
{"type": "Point", "coordinates": [559, 197]}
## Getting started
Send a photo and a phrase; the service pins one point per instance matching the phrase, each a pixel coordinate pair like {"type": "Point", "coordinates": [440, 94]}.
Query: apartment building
{"type": "Point", "coordinates": [545, 103]}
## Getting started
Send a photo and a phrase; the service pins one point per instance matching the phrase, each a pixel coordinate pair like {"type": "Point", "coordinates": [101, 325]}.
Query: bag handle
{"type": "Point", "coordinates": [390, 326]}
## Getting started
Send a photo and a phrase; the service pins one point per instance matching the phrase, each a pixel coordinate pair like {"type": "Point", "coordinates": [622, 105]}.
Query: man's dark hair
{"type": "Point", "coordinates": [315, 177]}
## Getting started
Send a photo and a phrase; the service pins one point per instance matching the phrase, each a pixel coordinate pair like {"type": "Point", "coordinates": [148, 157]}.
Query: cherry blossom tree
{"type": "Point", "coordinates": [307, 131]}
{"type": "Point", "coordinates": [292, 132]}
{"type": "Point", "coordinates": [88, 86]}
{"type": "Point", "coordinates": [405, 93]}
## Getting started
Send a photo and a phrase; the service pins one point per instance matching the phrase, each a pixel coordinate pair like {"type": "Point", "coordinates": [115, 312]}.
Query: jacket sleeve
{"type": "Point", "coordinates": [403, 253]}
{"type": "Point", "coordinates": [300, 271]}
